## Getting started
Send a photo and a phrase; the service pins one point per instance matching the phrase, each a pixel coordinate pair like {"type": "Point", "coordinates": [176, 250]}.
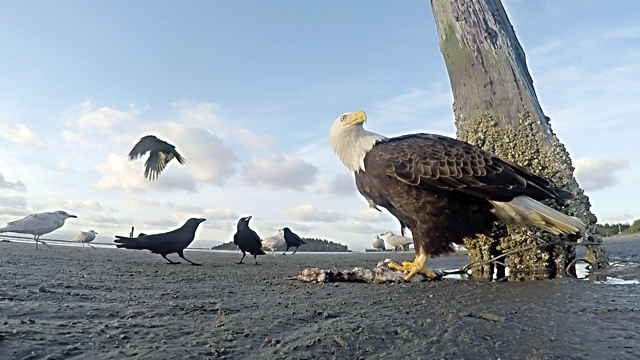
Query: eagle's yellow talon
{"type": "Point", "coordinates": [415, 267]}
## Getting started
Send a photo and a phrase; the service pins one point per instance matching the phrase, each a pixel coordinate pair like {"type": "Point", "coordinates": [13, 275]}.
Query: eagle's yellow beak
{"type": "Point", "coordinates": [358, 117]}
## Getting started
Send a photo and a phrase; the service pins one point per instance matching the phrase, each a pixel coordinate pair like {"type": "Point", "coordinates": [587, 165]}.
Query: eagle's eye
{"type": "Point", "coordinates": [343, 118]}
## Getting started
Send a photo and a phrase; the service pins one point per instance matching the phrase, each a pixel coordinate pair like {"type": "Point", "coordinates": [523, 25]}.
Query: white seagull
{"type": "Point", "coordinates": [397, 241]}
{"type": "Point", "coordinates": [274, 242]}
{"type": "Point", "coordinates": [85, 237]}
{"type": "Point", "coordinates": [38, 224]}
{"type": "Point", "coordinates": [378, 243]}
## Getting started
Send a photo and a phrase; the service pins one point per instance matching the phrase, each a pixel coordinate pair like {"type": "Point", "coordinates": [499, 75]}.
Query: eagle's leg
{"type": "Point", "coordinates": [417, 266]}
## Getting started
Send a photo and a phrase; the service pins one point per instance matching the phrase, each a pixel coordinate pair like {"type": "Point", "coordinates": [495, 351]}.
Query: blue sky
{"type": "Point", "coordinates": [247, 91]}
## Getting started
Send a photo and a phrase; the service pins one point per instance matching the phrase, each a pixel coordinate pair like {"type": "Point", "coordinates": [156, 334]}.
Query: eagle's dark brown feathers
{"type": "Point", "coordinates": [451, 183]}
{"type": "Point", "coordinates": [439, 162]}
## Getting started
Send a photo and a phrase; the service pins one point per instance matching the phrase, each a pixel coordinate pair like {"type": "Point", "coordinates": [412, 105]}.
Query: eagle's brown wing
{"type": "Point", "coordinates": [439, 163]}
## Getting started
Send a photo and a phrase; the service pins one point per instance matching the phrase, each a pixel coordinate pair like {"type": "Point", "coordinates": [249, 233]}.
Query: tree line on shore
{"type": "Point", "coordinates": [610, 229]}
{"type": "Point", "coordinates": [311, 245]}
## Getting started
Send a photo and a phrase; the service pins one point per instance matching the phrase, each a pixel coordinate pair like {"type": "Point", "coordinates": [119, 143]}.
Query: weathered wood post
{"type": "Point", "coordinates": [496, 108]}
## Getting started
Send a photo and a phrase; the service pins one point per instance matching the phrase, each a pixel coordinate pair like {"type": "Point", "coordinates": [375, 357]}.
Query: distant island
{"type": "Point", "coordinates": [312, 245]}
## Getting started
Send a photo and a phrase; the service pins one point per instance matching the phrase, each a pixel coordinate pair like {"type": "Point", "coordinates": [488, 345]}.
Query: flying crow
{"type": "Point", "coordinates": [160, 153]}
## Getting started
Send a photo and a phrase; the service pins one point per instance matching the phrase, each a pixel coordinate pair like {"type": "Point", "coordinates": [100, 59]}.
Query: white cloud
{"type": "Point", "coordinates": [161, 223]}
{"type": "Point", "coordinates": [205, 114]}
{"type": "Point", "coordinates": [254, 142]}
{"type": "Point", "coordinates": [342, 185]}
{"type": "Point", "coordinates": [619, 218]}
{"type": "Point", "coordinates": [356, 227]}
{"type": "Point", "coordinates": [104, 119]}
{"type": "Point", "coordinates": [219, 214]}
{"type": "Point", "coordinates": [78, 205]}
{"type": "Point", "coordinates": [11, 185]}
{"type": "Point", "coordinates": [310, 213]}
{"type": "Point", "coordinates": [98, 221]}
{"type": "Point", "coordinates": [77, 137]}
{"type": "Point", "coordinates": [629, 32]}
{"type": "Point", "coordinates": [119, 174]}
{"type": "Point", "coordinates": [61, 166]}
{"type": "Point", "coordinates": [415, 104]}
{"type": "Point", "coordinates": [20, 135]}
{"type": "Point", "coordinates": [190, 111]}
{"type": "Point", "coordinates": [598, 173]}
{"type": "Point", "coordinates": [192, 209]}
{"type": "Point", "coordinates": [371, 215]}
{"type": "Point", "coordinates": [13, 212]}
{"type": "Point", "coordinates": [13, 201]}
{"type": "Point", "coordinates": [222, 219]}
{"type": "Point", "coordinates": [226, 225]}
{"type": "Point", "coordinates": [207, 156]}
{"type": "Point", "coordinates": [280, 172]}
{"type": "Point", "coordinates": [145, 203]}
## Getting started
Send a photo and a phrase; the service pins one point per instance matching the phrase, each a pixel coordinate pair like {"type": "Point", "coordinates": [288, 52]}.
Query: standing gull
{"type": "Point", "coordinates": [378, 243]}
{"type": "Point", "coordinates": [247, 240]}
{"type": "Point", "coordinates": [160, 153]}
{"type": "Point", "coordinates": [397, 241]}
{"type": "Point", "coordinates": [174, 241]}
{"type": "Point", "coordinates": [85, 237]}
{"type": "Point", "coordinates": [38, 224]}
{"type": "Point", "coordinates": [274, 242]}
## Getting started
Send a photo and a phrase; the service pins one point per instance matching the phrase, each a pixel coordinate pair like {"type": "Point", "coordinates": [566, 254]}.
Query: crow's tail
{"type": "Point", "coordinates": [128, 243]}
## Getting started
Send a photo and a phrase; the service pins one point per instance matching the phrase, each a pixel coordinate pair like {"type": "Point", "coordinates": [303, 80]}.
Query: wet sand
{"type": "Point", "coordinates": [68, 302]}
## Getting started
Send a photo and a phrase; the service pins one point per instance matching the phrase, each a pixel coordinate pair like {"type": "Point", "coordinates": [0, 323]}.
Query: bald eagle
{"type": "Point", "coordinates": [443, 189]}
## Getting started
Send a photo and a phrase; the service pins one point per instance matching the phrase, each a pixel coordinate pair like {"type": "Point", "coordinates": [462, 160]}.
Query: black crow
{"type": "Point", "coordinates": [160, 153]}
{"type": "Point", "coordinates": [174, 241]}
{"type": "Point", "coordinates": [292, 240]}
{"type": "Point", "coordinates": [247, 240]}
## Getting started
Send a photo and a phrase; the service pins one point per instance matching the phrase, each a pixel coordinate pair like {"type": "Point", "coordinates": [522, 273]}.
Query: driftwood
{"type": "Point", "coordinates": [496, 108]}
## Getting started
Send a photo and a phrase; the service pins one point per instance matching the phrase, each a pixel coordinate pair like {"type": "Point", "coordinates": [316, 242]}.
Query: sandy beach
{"type": "Point", "coordinates": [66, 302]}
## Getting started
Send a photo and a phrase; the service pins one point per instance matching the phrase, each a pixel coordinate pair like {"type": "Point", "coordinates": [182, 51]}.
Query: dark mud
{"type": "Point", "coordinates": [73, 303]}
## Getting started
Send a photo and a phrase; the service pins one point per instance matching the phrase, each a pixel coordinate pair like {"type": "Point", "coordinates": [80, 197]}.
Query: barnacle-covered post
{"type": "Point", "coordinates": [496, 108]}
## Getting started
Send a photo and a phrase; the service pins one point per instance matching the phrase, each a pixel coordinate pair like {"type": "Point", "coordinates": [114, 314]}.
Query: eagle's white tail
{"type": "Point", "coordinates": [524, 210]}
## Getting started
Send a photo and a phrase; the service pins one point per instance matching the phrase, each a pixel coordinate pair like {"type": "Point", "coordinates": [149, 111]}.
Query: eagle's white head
{"type": "Point", "coordinates": [350, 141]}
